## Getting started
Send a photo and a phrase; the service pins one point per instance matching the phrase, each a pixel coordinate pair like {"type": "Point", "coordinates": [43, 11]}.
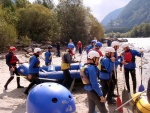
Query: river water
{"type": "Point", "coordinates": [144, 44]}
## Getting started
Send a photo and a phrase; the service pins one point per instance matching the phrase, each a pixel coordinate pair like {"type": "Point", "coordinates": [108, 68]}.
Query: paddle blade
{"type": "Point", "coordinates": [125, 96]}
{"type": "Point", "coordinates": [72, 85]}
{"type": "Point", "coordinates": [119, 103]}
{"type": "Point", "coordinates": [141, 88]}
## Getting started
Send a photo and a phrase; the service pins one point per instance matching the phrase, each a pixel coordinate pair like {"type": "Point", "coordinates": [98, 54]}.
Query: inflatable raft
{"type": "Point", "coordinates": [140, 104]}
{"type": "Point", "coordinates": [51, 72]}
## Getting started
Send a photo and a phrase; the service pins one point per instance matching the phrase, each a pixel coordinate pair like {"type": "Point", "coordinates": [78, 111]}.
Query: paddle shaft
{"type": "Point", "coordinates": [129, 101]}
{"type": "Point", "coordinates": [141, 69]}
{"type": "Point", "coordinates": [115, 73]}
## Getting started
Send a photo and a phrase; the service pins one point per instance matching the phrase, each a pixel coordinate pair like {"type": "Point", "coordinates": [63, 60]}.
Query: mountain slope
{"type": "Point", "coordinates": [134, 13]}
{"type": "Point", "coordinates": [111, 16]}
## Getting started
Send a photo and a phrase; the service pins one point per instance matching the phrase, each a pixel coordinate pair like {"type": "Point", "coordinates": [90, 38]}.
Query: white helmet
{"type": "Point", "coordinates": [125, 45]}
{"type": "Point", "coordinates": [93, 54]}
{"type": "Point", "coordinates": [109, 49]}
{"type": "Point", "coordinates": [37, 50]}
{"type": "Point", "coordinates": [115, 43]}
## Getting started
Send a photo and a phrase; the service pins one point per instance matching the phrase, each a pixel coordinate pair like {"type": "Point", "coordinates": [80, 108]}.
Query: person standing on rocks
{"type": "Point", "coordinates": [80, 47]}
{"type": "Point", "coordinates": [58, 49]}
{"type": "Point", "coordinates": [48, 56]}
{"type": "Point", "coordinates": [34, 66]}
{"type": "Point", "coordinates": [93, 88]}
{"type": "Point", "coordinates": [106, 67]}
{"type": "Point", "coordinates": [65, 65]}
{"type": "Point", "coordinates": [11, 61]}
{"type": "Point", "coordinates": [130, 65]}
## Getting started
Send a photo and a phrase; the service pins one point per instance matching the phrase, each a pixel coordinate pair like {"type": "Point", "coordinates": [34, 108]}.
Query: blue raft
{"type": "Point", "coordinates": [52, 72]}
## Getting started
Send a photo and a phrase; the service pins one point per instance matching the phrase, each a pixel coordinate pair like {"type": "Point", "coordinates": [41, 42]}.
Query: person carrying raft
{"type": "Point", "coordinates": [11, 61]}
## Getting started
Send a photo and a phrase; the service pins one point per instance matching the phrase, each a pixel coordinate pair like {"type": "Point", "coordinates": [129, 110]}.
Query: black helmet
{"type": "Point", "coordinates": [50, 47]}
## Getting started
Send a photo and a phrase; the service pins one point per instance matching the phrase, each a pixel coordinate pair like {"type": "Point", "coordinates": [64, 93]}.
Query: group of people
{"type": "Point", "coordinates": [103, 67]}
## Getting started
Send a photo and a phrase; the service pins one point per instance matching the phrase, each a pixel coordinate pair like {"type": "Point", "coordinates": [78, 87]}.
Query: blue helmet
{"type": "Point", "coordinates": [98, 44]}
{"type": "Point", "coordinates": [50, 98]}
{"type": "Point", "coordinates": [93, 41]}
{"type": "Point", "coordinates": [71, 45]}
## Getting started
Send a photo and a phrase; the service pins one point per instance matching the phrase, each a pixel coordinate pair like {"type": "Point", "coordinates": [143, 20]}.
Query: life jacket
{"type": "Point", "coordinates": [65, 63]}
{"type": "Point", "coordinates": [84, 77]}
{"type": "Point", "coordinates": [100, 67]}
{"type": "Point", "coordinates": [13, 58]}
{"type": "Point", "coordinates": [128, 57]}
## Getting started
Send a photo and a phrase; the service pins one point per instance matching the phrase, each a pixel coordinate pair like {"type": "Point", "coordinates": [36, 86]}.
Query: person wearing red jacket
{"type": "Point", "coordinates": [11, 61]}
{"type": "Point", "coordinates": [80, 47]}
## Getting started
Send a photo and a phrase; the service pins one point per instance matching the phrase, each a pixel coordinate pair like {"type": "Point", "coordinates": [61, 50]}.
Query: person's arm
{"type": "Point", "coordinates": [137, 53]}
{"type": "Point", "coordinates": [93, 80]}
{"type": "Point", "coordinates": [108, 65]}
{"type": "Point", "coordinates": [8, 58]}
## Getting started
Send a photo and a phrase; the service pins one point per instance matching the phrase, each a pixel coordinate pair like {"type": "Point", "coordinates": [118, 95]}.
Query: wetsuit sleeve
{"type": "Point", "coordinates": [136, 53]}
{"type": "Point", "coordinates": [108, 65]}
{"type": "Point", "coordinates": [8, 58]}
{"type": "Point", "coordinates": [94, 82]}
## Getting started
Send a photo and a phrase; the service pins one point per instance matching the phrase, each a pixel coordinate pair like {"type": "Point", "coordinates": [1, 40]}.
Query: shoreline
{"type": "Point", "coordinates": [14, 100]}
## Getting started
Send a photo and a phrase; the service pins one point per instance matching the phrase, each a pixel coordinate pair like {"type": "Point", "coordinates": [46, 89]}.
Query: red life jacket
{"type": "Point", "coordinates": [128, 56]}
{"type": "Point", "coordinates": [13, 59]}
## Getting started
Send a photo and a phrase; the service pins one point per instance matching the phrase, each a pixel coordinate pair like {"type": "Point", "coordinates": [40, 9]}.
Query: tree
{"type": "Point", "coordinates": [38, 23]}
{"type": "Point", "coordinates": [8, 35]}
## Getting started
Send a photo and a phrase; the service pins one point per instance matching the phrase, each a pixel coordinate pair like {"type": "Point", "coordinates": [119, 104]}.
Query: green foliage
{"type": "Point", "coordinates": [76, 22]}
{"type": "Point", "coordinates": [8, 34]}
{"type": "Point", "coordinates": [37, 22]}
{"type": "Point", "coordinates": [25, 40]}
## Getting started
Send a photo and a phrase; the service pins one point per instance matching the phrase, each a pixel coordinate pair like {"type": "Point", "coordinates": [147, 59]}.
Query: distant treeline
{"type": "Point", "coordinates": [143, 30]}
{"type": "Point", "coordinates": [42, 21]}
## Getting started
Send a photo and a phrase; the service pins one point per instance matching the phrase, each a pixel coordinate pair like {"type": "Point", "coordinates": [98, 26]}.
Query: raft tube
{"type": "Point", "coordinates": [140, 104]}
{"type": "Point", "coordinates": [74, 66]}
{"type": "Point", "coordinates": [23, 70]}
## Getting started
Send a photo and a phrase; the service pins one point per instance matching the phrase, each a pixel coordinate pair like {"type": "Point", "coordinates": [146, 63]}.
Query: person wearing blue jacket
{"type": "Point", "coordinates": [105, 75]}
{"type": "Point", "coordinates": [34, 66]}
{"type": "Point", "coordinates": [118, 59]}
{"type": "Point", "coordinates": [94, 92]}
{"type": "Point", "coordinates": [48, 56]}
{"type": "Point", "coordinates": [130, 65]}
{"type": "Point", "coordinates": [92, 45]}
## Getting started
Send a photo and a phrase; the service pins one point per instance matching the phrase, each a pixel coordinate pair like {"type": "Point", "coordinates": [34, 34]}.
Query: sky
{"type": "Point", "coordinates": [100, 8]}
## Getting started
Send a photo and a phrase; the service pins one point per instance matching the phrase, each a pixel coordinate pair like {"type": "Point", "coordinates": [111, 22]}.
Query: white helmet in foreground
{"type": "Point", "coordinates": [109, 49]}
{"type": "Point", "coordinates": [37, 50]}
{"type": "Point", "coordinates": [125, 45]}
{"type": "Point", "coordinates": [93, 54]}
{"type": "Point", "coordinates": [115, 43]}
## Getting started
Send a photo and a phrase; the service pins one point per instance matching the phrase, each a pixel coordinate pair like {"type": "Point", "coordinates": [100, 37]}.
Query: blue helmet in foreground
{"type": "Point", "coordinates": [50, 98]}
{"type": "Point", "coordinates": [70, 45]}
{"type": "Point", "coordinates": [98, 44]}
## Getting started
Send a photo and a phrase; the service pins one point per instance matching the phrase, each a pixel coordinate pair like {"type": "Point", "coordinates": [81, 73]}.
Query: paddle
{"type": "Point", "coordinates": [129, 101]}
{"type": "Point", "coordinates": [141, 87]}
{"type": "Point", "coordinates": [73, 82]}
{"type": "Point", "coordinates": [119, 103]}
{"type": "Point", "coordinates": [125, 94]}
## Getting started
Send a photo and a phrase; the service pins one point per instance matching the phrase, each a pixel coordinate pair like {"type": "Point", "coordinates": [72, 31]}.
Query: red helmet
{"type": "Point", "coordinates": [12, 48]}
